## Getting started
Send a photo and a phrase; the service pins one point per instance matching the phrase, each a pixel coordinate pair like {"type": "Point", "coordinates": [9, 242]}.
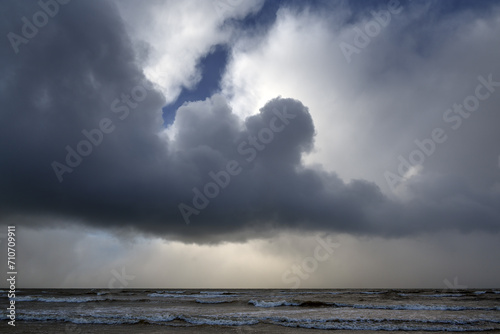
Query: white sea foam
{"type": "Point", "coordinates": [158, 318]}
{"type": "Point", "coordinates": [272, 303]}
{"type": "Point", "coordinates": [379, 327]}
{"type": "Point", "coordinates": [59, 299]}
{"type": "Point", "coordinates": [98, 318]}
{"type": "Point", "coordinates": [166, 295]}
{"type": "Point", "coordinates": [414, 307]}
{"type": "Point", "coordinates": [372, 292]}
{"type": "Point", "coordinates": [385, 324]}
{"type": "Point", "coordinates": [245, 319]}
{"type": "Point", "coordinates": [219, 322]}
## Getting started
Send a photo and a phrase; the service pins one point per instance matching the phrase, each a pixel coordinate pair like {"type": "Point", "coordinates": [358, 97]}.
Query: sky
{"type": "Point", "coordinates": [251, 144]}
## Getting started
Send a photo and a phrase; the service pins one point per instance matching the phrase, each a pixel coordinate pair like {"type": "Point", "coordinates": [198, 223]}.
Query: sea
{"type": "Point", "coordinates": [253, 311]}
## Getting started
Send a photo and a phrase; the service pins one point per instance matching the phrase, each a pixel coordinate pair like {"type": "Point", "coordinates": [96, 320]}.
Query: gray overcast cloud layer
{"type": "Point", "coordinates": [82, 71]}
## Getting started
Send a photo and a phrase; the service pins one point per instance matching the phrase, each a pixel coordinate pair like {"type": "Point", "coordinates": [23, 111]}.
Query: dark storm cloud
{"type": "Point", "coordinates": [80, 70]}
{"type": "Point", "coordinates": [60, 83]}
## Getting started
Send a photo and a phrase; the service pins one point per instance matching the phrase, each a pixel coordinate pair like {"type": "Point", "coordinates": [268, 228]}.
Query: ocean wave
{"type": "Point", "coordinates": [100, 319]}
{"type": "Point", "coordinates": [211, 301]}
{"type": "Point", "coordinates": [95, 299]}
{"type": "Point", "coordinates": [167, 295]}
{"type": "Point", "coordinates": [346, 292]}
{"type": "Point", "coordinates": [389, 328]}
{"type": "Point", "coordinates": [385, 324]}
{"type": "Point", "coordinates": [415, 307]}
{"type": "Point", "coordinates": [214, 292]}
{"type": "Point", "coordinates": [298, 292]}
{"type": "Point", "coordinates": [76, 320]}
{"type": "Point", "coordinates": [272, 303]}
{"type": "Point", "coordinates": [349, 292]}
{"type": "Point", "coordinates": [215, 321]}
{"type": "Point", "coordinates": [188, 296]}
{"type": "Point", "coordinates": [438, 295]}
{"type": "Point", "coordinates": [59, 299]}
{"type": "Point", "coordinates": [171, 291]}
{"type": "Point", "coordinates": [372, 292]}
{"type": "Point", "coordinates": [124, 319]}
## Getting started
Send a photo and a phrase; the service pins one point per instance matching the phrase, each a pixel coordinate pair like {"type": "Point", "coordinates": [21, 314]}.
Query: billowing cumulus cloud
{"type": "Point", "coordinates": [371, 106]}
{"type": "Point", "coordinates": [83, 139]}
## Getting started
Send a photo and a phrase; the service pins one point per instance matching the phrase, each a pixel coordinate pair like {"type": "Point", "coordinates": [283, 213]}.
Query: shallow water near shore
{"type": "Point", "coordinates": [253, 311]}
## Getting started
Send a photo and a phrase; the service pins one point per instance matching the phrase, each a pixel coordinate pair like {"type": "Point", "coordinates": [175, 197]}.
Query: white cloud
{"type": "Point", "coordinates": [394, 91]}
{"type": "Point", "coordinates": [176, 34]}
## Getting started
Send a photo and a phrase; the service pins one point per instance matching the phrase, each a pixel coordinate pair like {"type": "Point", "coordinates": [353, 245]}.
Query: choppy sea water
{"type": "Point", "coordinates": [244, 310]}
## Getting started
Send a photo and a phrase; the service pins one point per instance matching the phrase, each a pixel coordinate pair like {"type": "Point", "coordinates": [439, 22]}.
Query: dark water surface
{"type": "Point", "coordinates": [253, 311]}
